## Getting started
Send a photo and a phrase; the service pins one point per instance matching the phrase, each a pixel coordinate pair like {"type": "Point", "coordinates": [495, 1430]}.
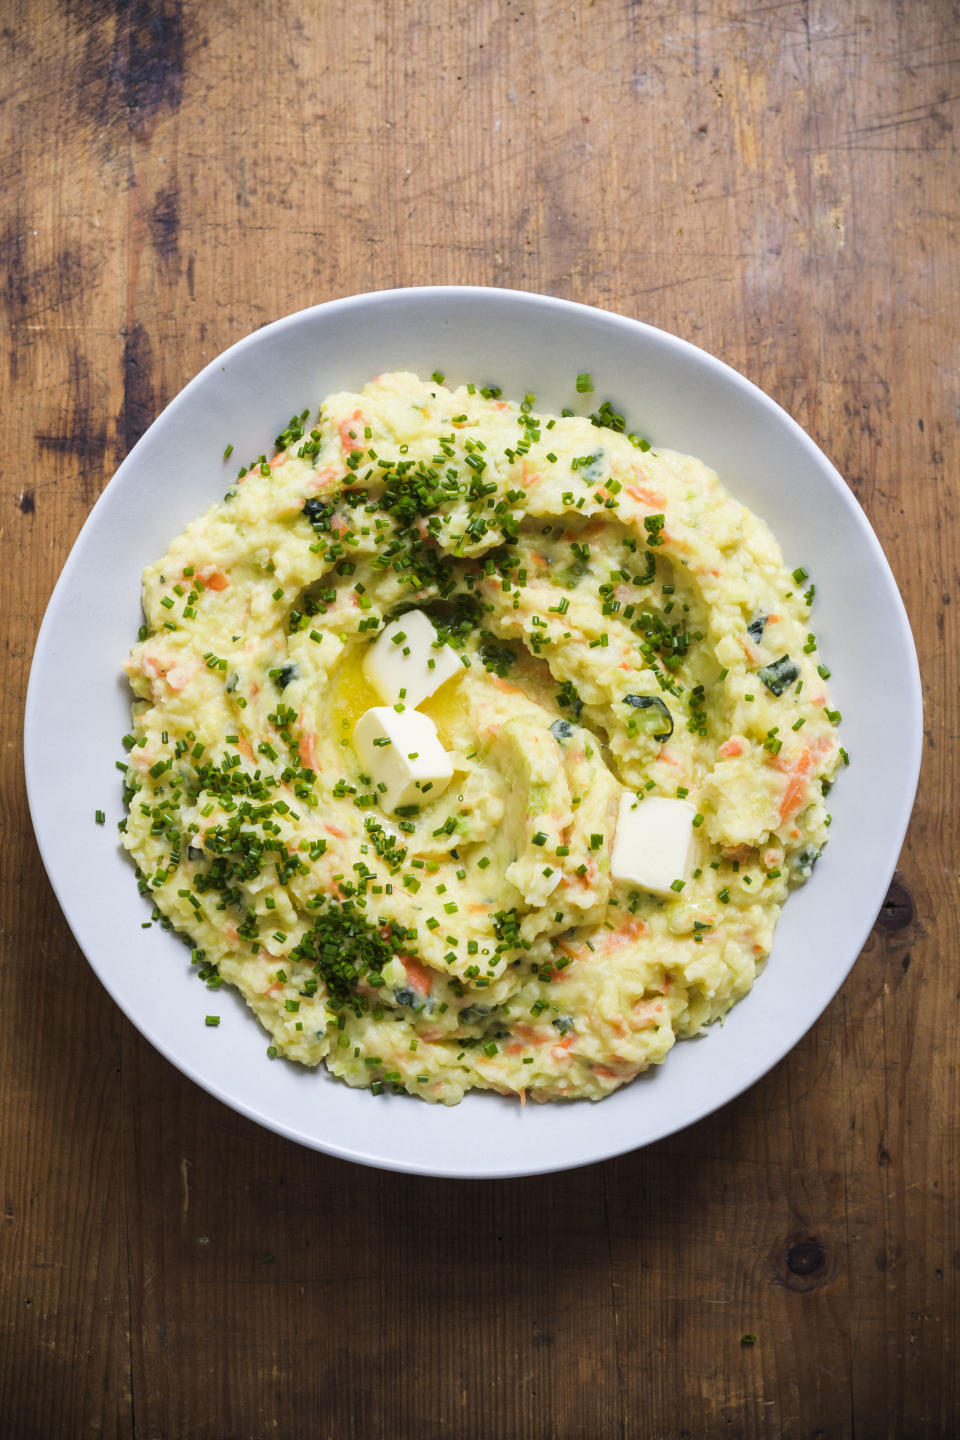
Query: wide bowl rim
{"type": "Point", "coordinates": [909, 767]}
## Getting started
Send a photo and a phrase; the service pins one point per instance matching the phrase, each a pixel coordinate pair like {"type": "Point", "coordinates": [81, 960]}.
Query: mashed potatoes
{"type": "Point", "coordinates": [622, 630]}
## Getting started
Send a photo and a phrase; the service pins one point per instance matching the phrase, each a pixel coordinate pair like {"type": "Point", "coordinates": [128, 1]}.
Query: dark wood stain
{"type": "Point", "coordinates": [71, 446]}
{"type": "Point", "coordinates": [29, 290]}
{"type": "Point", "coordinates": [139, 400]}
{"type": "Point", "coordinates": [164, 222]}
{"type": "Point", "coordinates": [83, 443]}
{"type": "Point", "coordinates": [15, 286]}
{"type": "Point", "coordinates": [150, 70]}
{"type": "Point", "coordinates": [132, 66]}
{"type": "Point", "coordinates": [27, 503]}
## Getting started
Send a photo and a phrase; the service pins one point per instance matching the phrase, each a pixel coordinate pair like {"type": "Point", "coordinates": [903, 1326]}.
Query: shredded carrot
{"type": "Point", "coordinates": [789, 762]}
{"type": "Point", "coordinates": [308, 753]}
{"type": "Point", "coordinates": [796, 787]}
{"type": "Point", "coordinates": [607, 940]}
{"type": "Point", "coordinates": [646, 1012]}
{"type": "Point", "coordinates": [323, 478]}
{"type": "Point", "coordinates": [731, 747]}
{"type": "Point", "coordinates": [560, 1052]}
{"type": "Point", "coordinates": [582, 880]}
{"type": "Point", "coordinates": [419, 976]}
{"type": "Point", "coordinates": [632, 928]}
{"type": "Point", "coordinates": [645, 496]}
{"type": "Point", "coordinates": [178, 676]}
{"type": "Point", "coordinates": [528, 1035]}
{"type": "Point", "coordinates": [351, 431]}
{"type": "Point", "coordinates": [213, 578]}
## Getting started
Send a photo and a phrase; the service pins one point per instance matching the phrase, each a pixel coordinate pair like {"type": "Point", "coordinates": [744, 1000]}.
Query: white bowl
{"type": "Point", "coordinates": [679, 396]}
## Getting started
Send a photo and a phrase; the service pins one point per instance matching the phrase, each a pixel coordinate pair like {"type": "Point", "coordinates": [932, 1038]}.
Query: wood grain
{"type": "Point", "coordinates": [775, 182]}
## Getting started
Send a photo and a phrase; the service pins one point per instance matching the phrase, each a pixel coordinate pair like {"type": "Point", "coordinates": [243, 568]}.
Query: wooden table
{"type": "Point", "coordinates": [775, 182]}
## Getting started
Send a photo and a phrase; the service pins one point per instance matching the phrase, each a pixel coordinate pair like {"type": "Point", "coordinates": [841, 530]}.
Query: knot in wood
{"type": "Point", "coordinates": [897, 910]}
{"type": "Point", "coordinates": [805, 1258]}
{"type": "Point", "coordinates": [802, 1263]}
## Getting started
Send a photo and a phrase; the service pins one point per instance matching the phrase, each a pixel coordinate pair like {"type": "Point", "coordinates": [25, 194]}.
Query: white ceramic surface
{"type": "Point", "coordinates": [681, 398]}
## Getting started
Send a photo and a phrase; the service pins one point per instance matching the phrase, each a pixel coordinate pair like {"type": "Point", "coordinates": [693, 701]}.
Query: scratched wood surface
{"type": "Point", "coordinates": [777, 183]}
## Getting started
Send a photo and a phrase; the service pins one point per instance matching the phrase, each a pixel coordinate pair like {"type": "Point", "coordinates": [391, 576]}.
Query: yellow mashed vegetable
{"type": "Point", "coordinates": [623, 626]}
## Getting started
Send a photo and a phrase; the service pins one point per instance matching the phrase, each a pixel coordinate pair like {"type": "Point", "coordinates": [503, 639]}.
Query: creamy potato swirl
{"type": "Point", "coordinates": [625, 627]}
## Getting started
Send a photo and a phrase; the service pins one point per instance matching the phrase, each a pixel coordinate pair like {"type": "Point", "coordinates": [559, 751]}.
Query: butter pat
{"type": "Point", "coordinates": [405, 663]}
{"type": "Point", "coordinates": [653, 842]}
{"type": "Point", "coordinates": [400, 750]}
